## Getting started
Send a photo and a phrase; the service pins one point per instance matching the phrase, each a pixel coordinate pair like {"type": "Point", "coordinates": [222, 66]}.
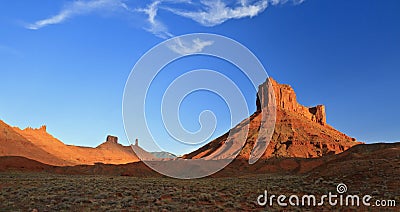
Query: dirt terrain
{"type": "Point", "coordinates": [372, 169]}
{"type": "Point", "coordinates": [49, 192]}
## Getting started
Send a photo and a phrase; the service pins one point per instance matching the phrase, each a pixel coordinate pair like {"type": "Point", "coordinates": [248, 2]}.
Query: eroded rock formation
{"type": "Point", "coordinates": [112, 139]}
{"type": "Point", "coordinates": [37, 144]}
{"type": "Point", "coordinates": [286, 99]}
{"type": "Point", "coordinates": [299, 131]}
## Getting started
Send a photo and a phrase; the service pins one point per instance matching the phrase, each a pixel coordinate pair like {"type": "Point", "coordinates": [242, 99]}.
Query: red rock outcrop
{"type": "Point", "coordinates": [13, 143]}
{"type": "Point", "coordinates": [286, 99]}
{"type": "Point", "coordinates": [39, 145]}
{"type": "Point", "coordinates": [299, 131]}
{"type": "Point", "coordinates": [112, 139]}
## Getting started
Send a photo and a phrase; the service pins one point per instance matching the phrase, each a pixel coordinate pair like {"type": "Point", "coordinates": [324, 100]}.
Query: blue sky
{"type": "Point", "coordinates": [65, 63]}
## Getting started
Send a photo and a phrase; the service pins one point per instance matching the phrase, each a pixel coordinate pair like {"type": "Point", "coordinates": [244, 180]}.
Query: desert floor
{"type": "Point", "coordinates": [51, 192]}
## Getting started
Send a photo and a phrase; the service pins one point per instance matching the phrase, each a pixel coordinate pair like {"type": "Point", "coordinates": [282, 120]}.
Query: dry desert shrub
{"type": "Point", "coordinates": [49, 192]}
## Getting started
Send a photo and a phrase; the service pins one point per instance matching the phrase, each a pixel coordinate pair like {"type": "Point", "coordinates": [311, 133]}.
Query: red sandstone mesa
{"type": "Point", "coordinates": [299, 131]}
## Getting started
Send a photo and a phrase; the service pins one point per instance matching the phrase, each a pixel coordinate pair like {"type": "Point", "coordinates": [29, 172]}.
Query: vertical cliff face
{"type": "Point", "coordinates": [299, 131]}
{"type": "Point", "coordinates": [286, 100]}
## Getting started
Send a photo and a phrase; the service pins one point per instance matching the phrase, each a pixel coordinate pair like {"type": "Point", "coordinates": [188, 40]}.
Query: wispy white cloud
{"type": "Point", "coordinates": [215, 12]}
{"type": "Point", "coordinates": [156, 27]}
{"type": "Point", "coordinates": [189, 47]}
{"type": "Point", "coordinates": [78, 8]}
{"type": "Point", "coordinates": [205, 12]}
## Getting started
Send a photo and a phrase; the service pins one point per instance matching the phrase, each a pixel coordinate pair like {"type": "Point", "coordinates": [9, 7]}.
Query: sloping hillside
{"type": "Point", "coordinates": [39, 145]}
{"type": "Point", "coordinates": [299, 131]}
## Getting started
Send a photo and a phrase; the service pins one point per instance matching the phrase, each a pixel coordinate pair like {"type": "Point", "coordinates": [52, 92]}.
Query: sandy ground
{"type": "Point", "coordinates": [51, 192]}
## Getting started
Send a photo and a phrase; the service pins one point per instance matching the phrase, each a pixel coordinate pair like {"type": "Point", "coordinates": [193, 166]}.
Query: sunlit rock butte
{"type": "Point", "coordinates": [300, 131]}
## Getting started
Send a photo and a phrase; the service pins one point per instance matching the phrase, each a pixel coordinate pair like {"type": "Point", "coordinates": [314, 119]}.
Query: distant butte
{"type": "Point", "coordinates": [37, 144]}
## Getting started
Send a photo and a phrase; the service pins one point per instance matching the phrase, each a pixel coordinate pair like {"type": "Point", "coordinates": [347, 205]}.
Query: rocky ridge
{"type": "Point", "coordinates": [38, 144]}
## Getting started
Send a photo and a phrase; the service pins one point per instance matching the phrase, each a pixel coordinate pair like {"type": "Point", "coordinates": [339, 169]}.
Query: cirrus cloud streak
{"type": "Point", "coordinates": [207, 13]}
